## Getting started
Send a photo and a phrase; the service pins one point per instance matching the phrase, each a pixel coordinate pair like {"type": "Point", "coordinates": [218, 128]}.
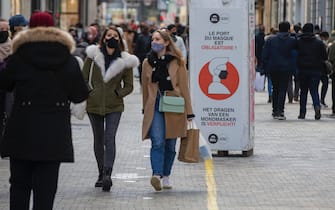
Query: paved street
{"type": "Point", "coordinates": [293, 167]}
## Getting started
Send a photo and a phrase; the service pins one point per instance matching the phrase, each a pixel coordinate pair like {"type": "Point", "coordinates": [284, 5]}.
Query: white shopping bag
{"type": "Point", "coordinates": [259, 82]}
{"type": "Point", "coordinates": [204, 149]}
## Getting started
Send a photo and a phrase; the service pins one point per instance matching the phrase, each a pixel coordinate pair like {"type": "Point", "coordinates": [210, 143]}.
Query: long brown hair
{"type": "Point", "coordinates": [171, 48]}
{"type": "Point", "coordinates": [102, 43]}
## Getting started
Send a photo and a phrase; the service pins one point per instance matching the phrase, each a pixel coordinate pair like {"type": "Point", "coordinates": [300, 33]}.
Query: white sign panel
{"type": "Point", "coordinates": [220, 72]}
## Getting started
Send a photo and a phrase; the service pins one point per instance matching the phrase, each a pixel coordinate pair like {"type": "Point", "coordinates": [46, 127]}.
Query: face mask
{"type": "Point", "coordinates": [223, 74]}
{"type": "Point", "coordinates": [174, 33]}
{"type": "Point", "coordinates": [3, 36]}
{"type": "Point", "coordinates": [157, 47]}
{"type": "Point", "coordinates": [112, 43]}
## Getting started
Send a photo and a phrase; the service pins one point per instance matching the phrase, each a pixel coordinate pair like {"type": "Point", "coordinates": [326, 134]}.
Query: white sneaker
{"type": "Point", "coordinates": [166, 183]}
{"type": "Point", "coordinates": [156, 183]}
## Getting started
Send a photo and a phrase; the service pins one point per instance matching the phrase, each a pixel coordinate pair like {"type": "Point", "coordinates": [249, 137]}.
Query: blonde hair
{"type": "Point", "coordinates": [171, 48]}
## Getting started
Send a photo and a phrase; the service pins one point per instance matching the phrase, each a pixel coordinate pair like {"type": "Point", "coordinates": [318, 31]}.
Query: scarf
{"type": "Point", "coordinates": [110, 58]}
{"type": "Point", "coordinates": [160, 73]}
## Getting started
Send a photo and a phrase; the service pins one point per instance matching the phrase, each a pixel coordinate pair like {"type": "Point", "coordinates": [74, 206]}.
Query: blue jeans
{"type": "Point", "coordinates": [309, 80]}
{"type": "Point", "coordinates": [163, 151]}
{"type": "Point", "coordinates": [269, 86]}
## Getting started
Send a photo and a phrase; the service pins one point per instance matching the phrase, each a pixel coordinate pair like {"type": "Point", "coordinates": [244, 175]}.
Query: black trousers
{"type": "Point", "coordinates": [279, 88]}
{"type": "Point", "coordinates": [41, 178]}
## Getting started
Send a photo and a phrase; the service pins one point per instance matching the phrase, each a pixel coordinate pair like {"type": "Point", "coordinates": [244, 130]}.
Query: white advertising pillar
{"type": "Point", "coordinates": [222, 72]}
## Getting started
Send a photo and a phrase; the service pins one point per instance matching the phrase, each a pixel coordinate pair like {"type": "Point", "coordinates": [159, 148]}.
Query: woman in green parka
{"type": "Point", "coordinates": [108, 72]}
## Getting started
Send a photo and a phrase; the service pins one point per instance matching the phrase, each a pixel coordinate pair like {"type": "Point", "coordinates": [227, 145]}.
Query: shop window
{"type": "Point", "coordinates": [69, 13]}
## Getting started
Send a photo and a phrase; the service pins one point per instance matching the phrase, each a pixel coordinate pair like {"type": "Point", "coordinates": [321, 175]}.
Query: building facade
{"type": "Point", "coordinates": [70, 12]}
{"type": "Point", "coordinates": [66, 12]}
{"type": "Point", "coordinates": [321, 12]}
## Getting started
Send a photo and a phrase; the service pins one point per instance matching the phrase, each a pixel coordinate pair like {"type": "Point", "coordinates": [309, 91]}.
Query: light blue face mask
{"type": "Point", "coordinates": [157, 47]}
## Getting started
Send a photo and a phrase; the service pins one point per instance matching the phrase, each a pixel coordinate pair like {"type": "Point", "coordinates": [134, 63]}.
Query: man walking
{"type": "Point", "coordinates": [278, 62]}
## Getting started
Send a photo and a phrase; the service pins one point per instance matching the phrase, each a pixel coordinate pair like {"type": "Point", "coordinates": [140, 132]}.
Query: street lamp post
{"type": "Point", "coordinates": [284, 10]}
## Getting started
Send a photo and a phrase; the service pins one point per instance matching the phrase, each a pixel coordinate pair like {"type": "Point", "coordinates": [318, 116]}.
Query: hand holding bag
{"type": "Point", "coordinates": [174, 104]}
{"type": "Point", "coordinates": [189, 145]}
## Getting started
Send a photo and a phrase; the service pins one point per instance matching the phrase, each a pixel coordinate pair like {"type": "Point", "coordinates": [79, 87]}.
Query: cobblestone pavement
{"type": "Point", "coordinates": [293, 167]}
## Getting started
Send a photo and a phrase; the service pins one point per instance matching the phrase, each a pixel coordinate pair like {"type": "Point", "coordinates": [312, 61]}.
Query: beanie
{"type": "Point", "coordinates": [41, 19]}
{"type": "Point", "coordinates": [17, 20]}
{"type": "Point", "coordinates": [308, 28]}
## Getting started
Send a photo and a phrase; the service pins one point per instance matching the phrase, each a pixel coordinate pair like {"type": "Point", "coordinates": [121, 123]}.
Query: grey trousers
{"type": "Point", "coordinates": [104, 132]}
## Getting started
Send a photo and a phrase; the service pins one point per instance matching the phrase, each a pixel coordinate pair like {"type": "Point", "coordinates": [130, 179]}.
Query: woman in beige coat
{"type": "Point", "coordinates": [163, 71]}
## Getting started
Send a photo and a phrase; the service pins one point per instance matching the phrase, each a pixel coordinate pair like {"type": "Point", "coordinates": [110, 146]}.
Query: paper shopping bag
{"type": "Point", "coordinates": [189, 147]}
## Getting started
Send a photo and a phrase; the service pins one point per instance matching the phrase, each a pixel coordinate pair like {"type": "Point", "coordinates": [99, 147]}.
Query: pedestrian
{"type": "Point", "coordinates": [272, 33]}
{"type": "Point", "coordinates": [142, 46]}
{"type": "Point", "coordinates": [91, 37]}
{"type": "Point", "coordinates": [5, 50]}
{"type": "Point", "coordinates": [108, 71]}
{"type": "Point", "coordinates": [259, 43]}
{"type": "Point", "coordinates": [17, 23]}
{"type": "Point", "coordinates": [296, 92]}
{"type": "Point", "coordinates": [37, 138]}
{"type": "Point", "coordinates": [278, 61]}
{"type": "Point", "coordinates": [178, 41]}
{"type": "Point", "coordinates": [324, 36]}
{"type": "Point", "coordinates": [331, 58]}
{"type": "Point", "coordinates": [163, 70]}
{"type": "Point", "coordinates": [311, 57]}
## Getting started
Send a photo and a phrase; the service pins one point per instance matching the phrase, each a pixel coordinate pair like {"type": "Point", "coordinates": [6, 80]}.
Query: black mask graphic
{"type": "Point", "coordinates": [3, 36]}
{"type": "Point", "coordinates": [112, 43]}
{"type": "Point", "coordinates": [223, 74]}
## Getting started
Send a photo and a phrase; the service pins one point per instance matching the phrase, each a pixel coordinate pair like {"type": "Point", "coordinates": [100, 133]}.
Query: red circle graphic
{"type": "Point", "coordinates": [231, 82]}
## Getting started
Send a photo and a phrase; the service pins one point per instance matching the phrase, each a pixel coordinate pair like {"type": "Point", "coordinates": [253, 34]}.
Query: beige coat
{"type": "Point", "coordinates": [176, 124]}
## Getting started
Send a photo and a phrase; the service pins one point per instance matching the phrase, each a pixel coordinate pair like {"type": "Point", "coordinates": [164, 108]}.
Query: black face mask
{"type": "Point", "coordinates": [3, 36]}
{"type": "Point", "coordinates": [112, 43]}
{"type": "Point", "coordinates": [223, 74]}
{"type": "Point", "coordinates": [174, 33]}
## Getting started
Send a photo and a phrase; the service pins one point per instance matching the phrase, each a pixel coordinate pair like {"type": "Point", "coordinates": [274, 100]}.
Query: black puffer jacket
{"type": "Point", "coordinates": [311, 53]}
{"type": "Point", "coordinates": [45, 78]}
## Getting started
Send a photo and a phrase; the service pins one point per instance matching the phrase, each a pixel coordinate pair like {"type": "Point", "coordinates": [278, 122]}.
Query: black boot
{"type": "Point", "coordinates": [107, 181]}
{"type": "Point", "coordinates": [301, 116]}
{"type": "Point", "coordinates": [98, 183]}
{"type": "Point", "coordinates": [270, 99]}
{"type": "Point", "coordinates": [317, 110]}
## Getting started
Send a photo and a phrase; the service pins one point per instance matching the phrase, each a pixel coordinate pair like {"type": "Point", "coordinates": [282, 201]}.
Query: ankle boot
{"type": "Point", "coordinates": [317, 110]}
{"type": "Point", "coordinates": [106, 180]}
{"type": "Point", "coordinates": [98, 183]}
{"type": "Point", "coordinates": [301, 116]}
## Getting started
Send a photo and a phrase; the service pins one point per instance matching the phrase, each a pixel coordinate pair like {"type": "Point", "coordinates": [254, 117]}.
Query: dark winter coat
{"type": "Point", "coordinates": [45, 78]}
{"type": "Point", "coordinates": [311, 53]}
{"type": "Point", "coordinates": [278, 53]}
{"type": "Point", "coordinates": [259, 43]}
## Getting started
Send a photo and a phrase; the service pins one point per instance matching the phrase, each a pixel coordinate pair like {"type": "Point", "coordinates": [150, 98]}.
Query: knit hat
{"type": "Point", "coordinates": [41, 19]}
{"type": "Point", "coordinates": [308, 28]}
{"type": "Point", "coordinates": [17, 20]}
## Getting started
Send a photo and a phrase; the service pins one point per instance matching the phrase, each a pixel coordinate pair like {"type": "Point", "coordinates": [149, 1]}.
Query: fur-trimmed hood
{"type": "Point", "coordinates": [45, 47]}
{"type": "Point", "coordinates": [126, 61]}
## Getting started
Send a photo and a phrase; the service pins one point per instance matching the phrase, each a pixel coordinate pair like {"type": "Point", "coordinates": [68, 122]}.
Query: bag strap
{"type": "Point", "coordinates": [90, 73]}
